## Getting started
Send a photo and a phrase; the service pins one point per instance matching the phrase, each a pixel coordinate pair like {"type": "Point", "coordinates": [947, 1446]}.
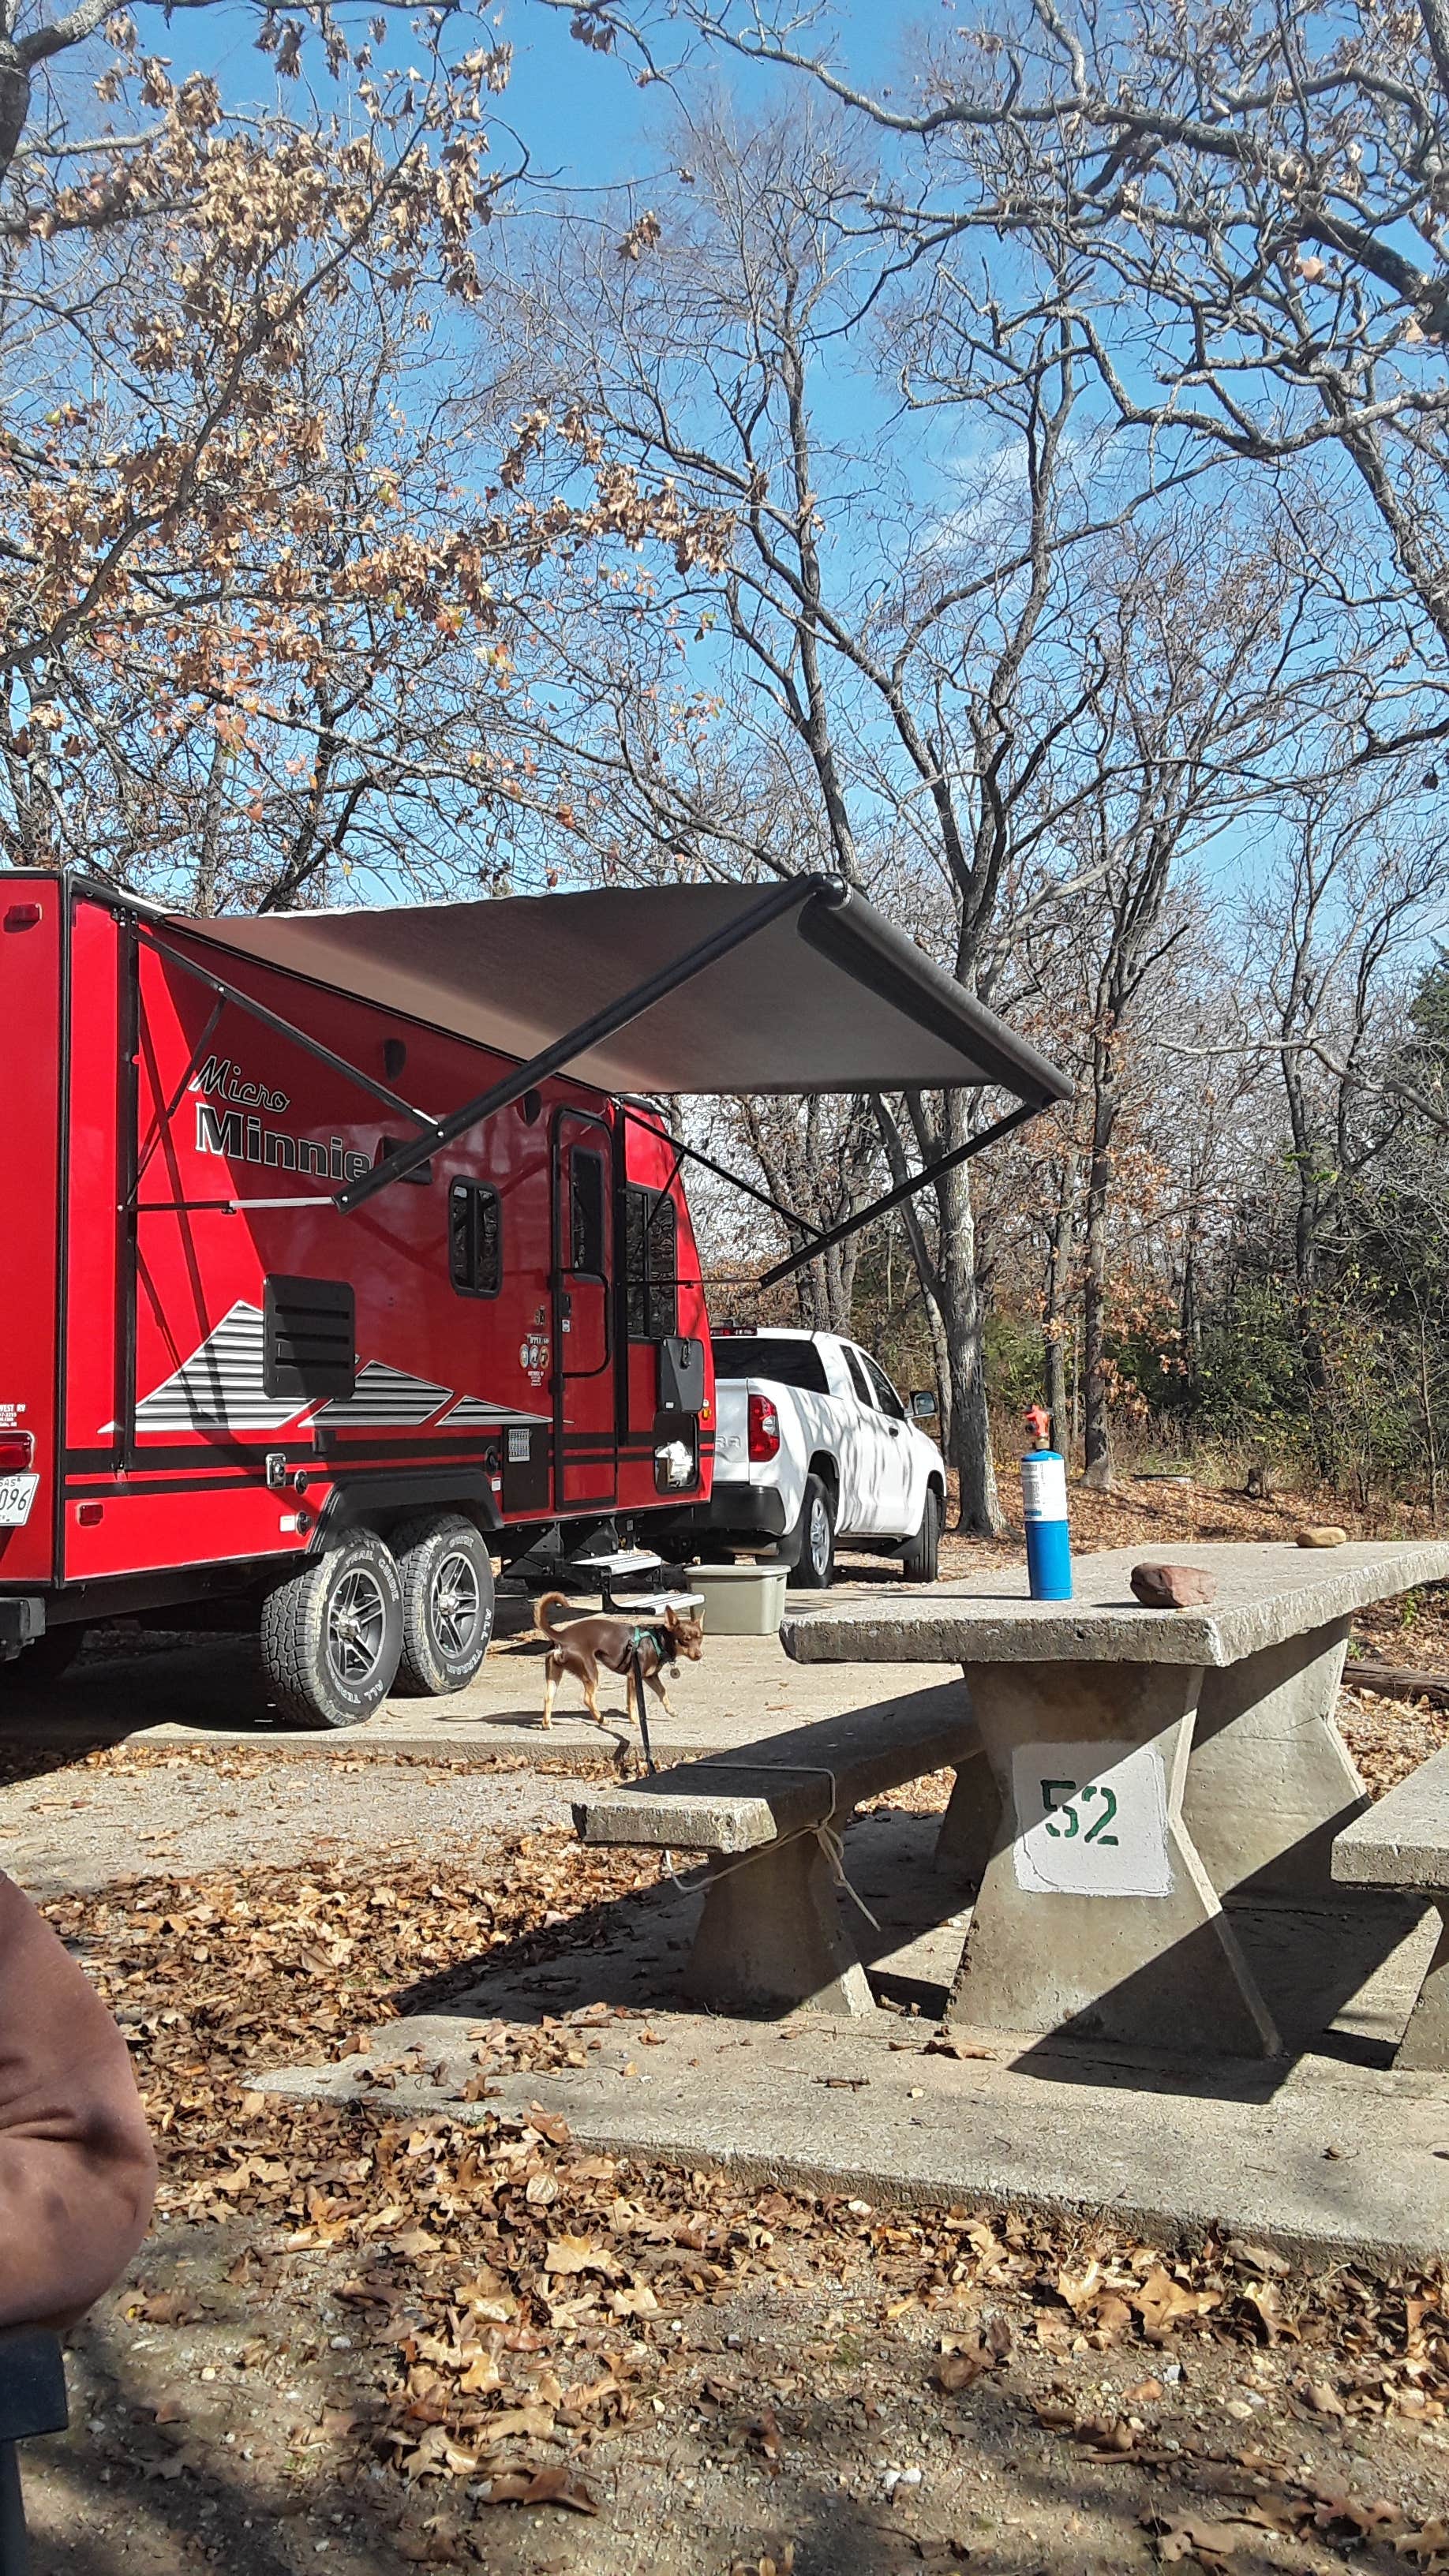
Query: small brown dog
{"type": "Point", "coordinates": [585, 1644]}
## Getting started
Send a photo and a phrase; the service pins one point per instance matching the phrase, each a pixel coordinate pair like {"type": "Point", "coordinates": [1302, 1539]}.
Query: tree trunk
{"type": "Point", "coordinates": [1055, 1322]}
{"type": "Point", "coordinates": [1096, 1439]}
{"type": "Point", "coordinates": [959, 1295]}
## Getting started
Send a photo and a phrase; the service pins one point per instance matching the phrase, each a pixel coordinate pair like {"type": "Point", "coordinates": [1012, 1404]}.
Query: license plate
{"type": "Point", "coordinates": [17, 1493]}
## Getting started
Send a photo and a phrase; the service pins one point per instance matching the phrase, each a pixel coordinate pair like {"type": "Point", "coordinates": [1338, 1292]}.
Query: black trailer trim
{"type": "Point", "coordinates": [351, 1503]}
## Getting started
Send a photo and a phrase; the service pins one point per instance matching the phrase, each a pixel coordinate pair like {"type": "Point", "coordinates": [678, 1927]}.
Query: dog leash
{"type": "Point", "coordinates": [831, 1844]}
{"type": "Point", "coordinates": [636, 1666]}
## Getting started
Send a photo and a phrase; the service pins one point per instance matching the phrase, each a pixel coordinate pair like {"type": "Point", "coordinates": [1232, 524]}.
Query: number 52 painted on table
{"type": "Point", "coordinates": [1091, 1819]}
{"type": "Point", "coordinates": [1056, 1798]}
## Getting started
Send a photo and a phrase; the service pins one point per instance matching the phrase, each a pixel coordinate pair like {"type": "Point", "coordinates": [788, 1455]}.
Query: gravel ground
{"type": "Point", "coordinates": [80, 1828]}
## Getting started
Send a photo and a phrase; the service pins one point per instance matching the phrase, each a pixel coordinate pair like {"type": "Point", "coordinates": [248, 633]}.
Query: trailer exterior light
{"type": "Point", "coordinates": [764, 1430]}
{"type": "Point", "coordinates": [17, 1452]}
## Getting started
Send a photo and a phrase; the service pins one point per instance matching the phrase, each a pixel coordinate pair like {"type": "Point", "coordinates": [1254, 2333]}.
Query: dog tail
{"type": "Point", "coordinates": [549, 1601]}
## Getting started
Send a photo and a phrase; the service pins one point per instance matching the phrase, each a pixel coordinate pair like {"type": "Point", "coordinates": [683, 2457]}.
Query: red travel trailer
{"type": "Point", "coordinates": [283, 1326]}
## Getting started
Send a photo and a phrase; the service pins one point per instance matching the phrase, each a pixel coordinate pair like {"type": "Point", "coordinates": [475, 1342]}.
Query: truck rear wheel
{"type": "Point", "coordinates": [332, 1634]}
{"type": "Point", "coordinates": [921, 1556]}
{"type": "Point", "coordinates": [810, 1550]}
{"type": "Point", "coordinates": [447, 1602]}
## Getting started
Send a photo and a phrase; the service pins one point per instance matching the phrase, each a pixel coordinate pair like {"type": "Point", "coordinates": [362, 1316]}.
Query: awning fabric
{"type": "Point", "coordinates": [827, 997]}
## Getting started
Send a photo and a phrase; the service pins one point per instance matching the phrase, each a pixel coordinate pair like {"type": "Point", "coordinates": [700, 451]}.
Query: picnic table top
{"type": "Point", "coordinates": [1266, 1593]}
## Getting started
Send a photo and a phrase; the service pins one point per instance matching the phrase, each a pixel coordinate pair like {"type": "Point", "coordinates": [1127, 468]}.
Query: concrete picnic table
{"type": "Point", "coordinates": [1147, 1763]}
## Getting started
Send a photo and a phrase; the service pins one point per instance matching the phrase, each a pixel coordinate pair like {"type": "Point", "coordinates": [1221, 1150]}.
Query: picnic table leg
{"type": "Point", "coordinates": [1425, 2044]}
{"type": "Point", "coordinates": [1270, 1782]}
{"type": "Point", "coordinates": [1096, 1919]}
{"type": "Point", "coordinates": [968, 1828]}
{"type": "Point", "coordinates": [772, 1937]}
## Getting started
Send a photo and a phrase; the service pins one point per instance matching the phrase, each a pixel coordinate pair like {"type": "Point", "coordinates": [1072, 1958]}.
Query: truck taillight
{"type": "Point", "coordinates": [764, 1429]}
{"type": "Point", "coordinates": [17, 1449]}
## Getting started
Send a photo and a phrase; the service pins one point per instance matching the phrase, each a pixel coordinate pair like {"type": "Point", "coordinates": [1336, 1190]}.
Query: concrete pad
{"type": "Point", "coordinates": [211, 1690]}
{"type": "Point", "coordinates": [1328, 2151]}
{"type": "Point", "coordinates": [1265, 1593]}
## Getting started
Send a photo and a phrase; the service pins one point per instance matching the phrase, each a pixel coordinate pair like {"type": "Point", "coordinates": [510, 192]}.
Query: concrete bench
{"type": "Point", "coordinates": [1403, 1843]}
{"type": "Point", "coordinates": [773, 1933]}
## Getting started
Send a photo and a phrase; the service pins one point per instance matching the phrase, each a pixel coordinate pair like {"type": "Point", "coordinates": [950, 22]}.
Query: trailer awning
{"type": "Point", "coordinates": [823, 995]}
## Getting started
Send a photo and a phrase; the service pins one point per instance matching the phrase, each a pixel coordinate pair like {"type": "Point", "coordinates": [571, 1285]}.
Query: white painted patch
{"type": "Point", "coordinates": [1091, 1820]}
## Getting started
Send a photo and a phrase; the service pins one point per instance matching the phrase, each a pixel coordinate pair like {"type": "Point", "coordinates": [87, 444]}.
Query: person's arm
{"type": "Point", "coordinates": [77, 2169]}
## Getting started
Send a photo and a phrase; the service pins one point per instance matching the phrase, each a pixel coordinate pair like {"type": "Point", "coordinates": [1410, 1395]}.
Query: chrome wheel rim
{"type": "Point", "coordinates": [457, 1603]}
{"type": "Point", "coordinates": [819, 1537]}
{"type": "Point", "coordinates": [356, 1628]}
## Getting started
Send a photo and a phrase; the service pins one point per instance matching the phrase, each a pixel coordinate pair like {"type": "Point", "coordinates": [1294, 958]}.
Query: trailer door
{"type": "Point", "coordinates": [585, 1434]}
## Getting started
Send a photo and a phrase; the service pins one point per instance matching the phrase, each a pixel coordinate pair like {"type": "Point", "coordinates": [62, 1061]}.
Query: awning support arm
{"type": "Point", "coordinates": [281, 1028]}
{"type": "Point", "coordinates": [592, 1032]}
{"type": "Point", "coordinates": [722, 1172]}
{"type": "Point", "coordinates": [904, 1190]}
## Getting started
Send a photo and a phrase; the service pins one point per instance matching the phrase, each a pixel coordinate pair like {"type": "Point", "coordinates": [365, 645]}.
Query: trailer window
{"type": "Point", "coordinates": [586, 1214]}
{"type": "Point", "coordinates": [651, 1258]}
{"type": "Point", "coordinates": [475, 1239]}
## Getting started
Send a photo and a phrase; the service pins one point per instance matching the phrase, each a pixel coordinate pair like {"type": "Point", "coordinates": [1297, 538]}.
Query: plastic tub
{"type": "Point", "coordinates": [741, 1600]}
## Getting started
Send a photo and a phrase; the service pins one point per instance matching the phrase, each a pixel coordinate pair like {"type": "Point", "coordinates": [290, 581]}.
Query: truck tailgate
{"type": "Point", "coordinates": [731, 1431]}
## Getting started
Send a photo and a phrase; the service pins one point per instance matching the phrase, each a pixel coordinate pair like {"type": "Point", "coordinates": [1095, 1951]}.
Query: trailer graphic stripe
{"type": "Point", "coordinates": [384, 1397]}
{"type": "Point", "coordinates": [221, 1386]}
{"type": "Point", "coordinates": [473, 1410]}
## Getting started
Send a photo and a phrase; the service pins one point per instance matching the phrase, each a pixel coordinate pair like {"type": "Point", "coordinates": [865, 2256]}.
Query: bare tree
{"type": "Point", "coordinates": [889, 690]}
{"type": "Point", "coordinates": [1238, 217]}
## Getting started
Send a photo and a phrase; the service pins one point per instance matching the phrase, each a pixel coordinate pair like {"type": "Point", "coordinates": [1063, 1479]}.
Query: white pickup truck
{"type": "Point", "coordinates": [813, 1446]}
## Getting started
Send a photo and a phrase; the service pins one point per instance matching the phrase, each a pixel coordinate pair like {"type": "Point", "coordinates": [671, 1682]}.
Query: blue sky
{"type": "Point", "coordinates": [582, 114]}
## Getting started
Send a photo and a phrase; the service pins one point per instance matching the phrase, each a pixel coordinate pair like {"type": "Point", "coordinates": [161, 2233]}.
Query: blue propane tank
{"type": "Point", "coordinates": [1044, 1504]}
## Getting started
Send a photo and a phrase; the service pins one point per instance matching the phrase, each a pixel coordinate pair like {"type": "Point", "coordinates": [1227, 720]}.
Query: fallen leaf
{"type": "Point", "coordinates": [1207, 2542]}
{"type": "Point", "coordinates": [550, 2486]}
{"type": "Point", "coordinates": [580, 2254]}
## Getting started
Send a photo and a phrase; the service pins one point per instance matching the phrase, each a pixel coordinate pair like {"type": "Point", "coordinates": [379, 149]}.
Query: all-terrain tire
{"type": "Point", "coordinates": [809, 1551]}
{"type": "Point", "coordinates": [447, 1602]}
{"type": "Point", "coordinates": [921, 1556]}
{"type": "Point", "coordinates": [332, 1634]}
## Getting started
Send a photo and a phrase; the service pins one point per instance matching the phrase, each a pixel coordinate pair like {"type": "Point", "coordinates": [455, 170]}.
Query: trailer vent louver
{"type": "Point", "coordinates": [310, 1338]}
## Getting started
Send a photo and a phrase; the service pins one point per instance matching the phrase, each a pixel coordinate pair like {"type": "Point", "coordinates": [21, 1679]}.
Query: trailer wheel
{"type": "Point", "coordinates": [447, 1602]}
{"type": "Point", "coordinates": [332, 1634]}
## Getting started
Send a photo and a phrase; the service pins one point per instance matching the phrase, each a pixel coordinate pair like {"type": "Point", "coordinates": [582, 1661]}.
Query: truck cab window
{"type": "Point", "coordinates": [650, 1264]}
{"type": "Point", "coordinates": [886, 1396]}
{"type": "Point", "coordinates": [790, 1361]}
{"type": "Point", "coordinates": [586, 1214]}
{"type": "Point", "coordinates": [858, 1378]}
{"type": "Point", "coordinates": [475, 1239]}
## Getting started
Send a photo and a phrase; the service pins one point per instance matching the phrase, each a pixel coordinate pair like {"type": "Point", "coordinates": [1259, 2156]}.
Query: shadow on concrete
{"type": "Point", "coordinates": [1318, 1968]}
{"type": "Point", "coordinates": [1330, 1976]}
{"type": "Point", "coordinates": [632, 1949]}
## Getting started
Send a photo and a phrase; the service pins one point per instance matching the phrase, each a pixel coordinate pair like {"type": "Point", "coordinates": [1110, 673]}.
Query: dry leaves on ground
{"type": "Point", "coordinates": [514, 2295]}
